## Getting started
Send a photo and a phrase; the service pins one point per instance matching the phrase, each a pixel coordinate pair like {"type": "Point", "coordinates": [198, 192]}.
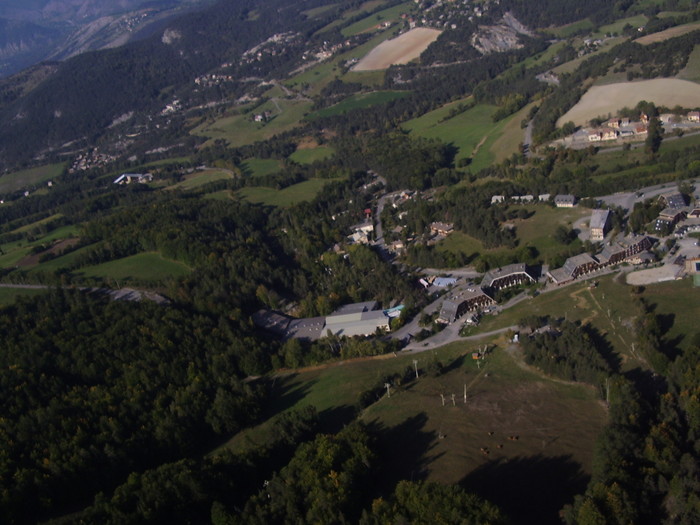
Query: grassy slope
{"type": "Point", "coordinates": [304, 191]}
{"type": "Point", "coordinates": [363, 100]}
{"type": "Point", "coordinates": [472, 131]}
{"type": "Point", "coordinates": [309, 155]}
{"type": "Point", "coordinates": [692, 69]}
{"type": "Point", "coordinates": [150, 266]}
{"type": "Point", "coordinates": [29, 177]}
{"type": "Point", "coordinates": [391, 14]}
{"type": "Point", "coordinates": [200, 178]}
{"type": "Point", "coordinates": [260, 167]}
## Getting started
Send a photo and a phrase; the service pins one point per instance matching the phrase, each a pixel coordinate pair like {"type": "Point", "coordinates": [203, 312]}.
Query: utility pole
{"type": "Point", "coordinates": [415, 365]}
{"type": "Point", "coordinates": [453, 400]}
{"type": "Point", "coordinates": [388, 392]}
{"type": "Point", "coordinates": [607, 391]}
{"type": "Point", "coordinates": [465, 393]}
{"type": "Point", "coordinates": [443, 399]}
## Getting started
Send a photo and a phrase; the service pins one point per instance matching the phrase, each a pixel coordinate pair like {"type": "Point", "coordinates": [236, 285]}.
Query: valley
{"type": "Point", "coordinates": [360, 262]}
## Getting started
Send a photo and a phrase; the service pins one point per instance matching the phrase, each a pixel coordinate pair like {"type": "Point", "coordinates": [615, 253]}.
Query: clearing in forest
{"type": "Point", "coordinates": [601, 100]}
{"type": "Point", "coordinates": [400, 50]}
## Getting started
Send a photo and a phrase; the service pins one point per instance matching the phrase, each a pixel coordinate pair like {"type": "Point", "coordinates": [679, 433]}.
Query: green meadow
{"type": "Point", "coordinates": [239, 130]}
{"type": "Point", "coordinates": [260, 167]}
{"type": "Point", "coordinates": [149, 267]}
{"type": "Point", "coordinates": [200, 178]}
{"type": "Point", "coordinates": [391, 14]}
{"type": "Point", "coordinates": [359, 101]}
{"type": "Point", "coordinates": [310, 155]}
{"type": "Point", "coordinates": [304, 191]}
{"type": "Point", "coordinates": [30, 177]}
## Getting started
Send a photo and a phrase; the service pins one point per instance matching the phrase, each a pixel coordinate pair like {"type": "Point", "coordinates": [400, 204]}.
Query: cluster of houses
{"type": "Point", "coordinates": [90, 159]}
{"type": "Point", "coordinates": [478, 297]}
{"type": "Point", "coordinates": [633, 249]}
{"type": "Point", "coordinates": [624, 128]}
{"type": "Point", "coordinates": [357, 319]}
{"type": "Point", "coordinates": [560, 201]}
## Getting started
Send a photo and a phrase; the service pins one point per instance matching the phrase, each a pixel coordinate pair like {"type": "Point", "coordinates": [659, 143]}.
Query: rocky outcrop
{"type": "Point", "coordinates": [501, 37]}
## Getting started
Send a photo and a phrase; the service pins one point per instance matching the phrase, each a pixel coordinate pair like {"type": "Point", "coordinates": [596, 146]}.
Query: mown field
{"type": "Point", "coordinates": [30, 177]}
{"type": "Point", "coordinates": [304, 191]}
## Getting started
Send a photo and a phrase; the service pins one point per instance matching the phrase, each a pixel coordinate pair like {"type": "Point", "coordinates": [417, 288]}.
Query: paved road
{"type": "Point", "coordinates": [627, 199]}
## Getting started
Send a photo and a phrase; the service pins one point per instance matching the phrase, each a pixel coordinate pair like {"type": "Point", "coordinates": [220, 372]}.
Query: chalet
{"type": "Point", "coordinates": [667, 118]}
{"type": "Point", "coordinates": [465, 301]}
{"type": "Point", "coordinates": [623, 248]}
{"type": "Point", "coordinates": [624, 121]}
{"type": "Point", "coordinates": [564, 201]}
{"type": "Point", "coordinates": [674, 200]}
{"type": "Point", "coordinates": [614, 123]}
{"type": "Point", "coordinates": [668, 218]}
{"type": "Point", "coordinates": [364, 227]}
{"type": "Point", "coordinates": [543, 197]}
{"type": "Point", "coordinates": [595, 136]}
{"type": "Point", "coordinates": [693, 116]}
{"type": "Point", "coordinates": [497, 199]}
{"type": "Point", "coordinates": [600, 224]}
{"type": "Point", "coordinates": [573, 268]}
{"type": "Point", "coordinates": [609, 134]}
{"type": "Point", "coordinates": [507, 276]}
{"type": "Point", "coordinates": [441, 228]}
{"type": "Point", "coordinates": [641, 129]}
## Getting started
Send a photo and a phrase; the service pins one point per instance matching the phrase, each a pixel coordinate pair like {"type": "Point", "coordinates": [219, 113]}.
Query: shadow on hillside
{"type": "Point", "coordinates": [285, 392]}
{"type": "Point", "coordinates": [529, 489]}
{"type": "Point", "coordinates": [403, 451]}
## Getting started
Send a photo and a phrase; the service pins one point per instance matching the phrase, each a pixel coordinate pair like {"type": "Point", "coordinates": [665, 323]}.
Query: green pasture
{"type": "Point", "coordinates": [310, 155]}
{"type": "Point", "coordinates": [260, 167]}
{"type": "Point", "coordinates": [223, 195]}
{"type": "Point", "coordinates": [571, 29]}
{"type": "Point", "coordinates": [511, 136]}
{"type": "Point", "coordinates": [13, 252]}
{"type": "Point", "coordinates": [358, 101]}
{"type": "Point", "coordinates": [372, 79]}
{"type": "Point", "coordinates": [31, 226]}
{"type": "Point", "coordinates": [473, 132]}
{"type": "Point", "coordinates": [691, 71]}
{"type": "Point", "coordinates": [22, 179]}
{"type": "Point", "coordinates": [239, 130]}
{"type": "Point", "coordinates": [200, 178]}
{"type": "Point", "coordinates": [364, 8]}
{"type": "Point", "coordinates": [616, 27]}
{"type": "Point", "coordinates": [536, 231]}
{"type": "Point", "coordinates": [149, 266]}
{"type": "Point", "coordinates": [304, 191]}
{"type": "Point", "coordinates": [10, 295]}
{"type": "Point", "coordinates": [543, 57]}
{"type": "Point", "coordinates": [569, 67]}
{"type": "Point", "coordinates": [317, 11]}
{"type": "Point", "coordinates": [64, 261]}
{"type": "Point", "coordinates": [391, 14]}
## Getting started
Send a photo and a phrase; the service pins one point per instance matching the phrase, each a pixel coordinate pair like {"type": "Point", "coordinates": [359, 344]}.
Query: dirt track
{"type": "Point", "coordinates": [400, 50]}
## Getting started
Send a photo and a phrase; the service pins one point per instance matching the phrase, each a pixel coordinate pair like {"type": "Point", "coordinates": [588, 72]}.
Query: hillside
{"type": "Point", "coordinates": [247, 278]}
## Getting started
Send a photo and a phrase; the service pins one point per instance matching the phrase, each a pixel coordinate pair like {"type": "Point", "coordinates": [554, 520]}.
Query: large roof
{"type": "Point", "coordinates": [599, 219]}
{"type": "Point", "coordinates": [504, 271]}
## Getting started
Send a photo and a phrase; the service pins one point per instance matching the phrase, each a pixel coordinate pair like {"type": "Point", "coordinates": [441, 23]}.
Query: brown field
{"type": "Point", "coordinates": [668, 33]}
{"type": "Point", "coordinates": [601, 100]}
{"type": "Point", "coordinates": [400, 50]}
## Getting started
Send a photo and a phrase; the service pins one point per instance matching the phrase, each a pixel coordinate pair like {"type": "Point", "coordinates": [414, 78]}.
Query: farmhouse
{"type": "Point", "coordinates": [600, 224]}
{"type": "Point", "coordinates": [511, 275]}
{"type": "Point", "coordinates": [694, 116]}
{"type": "Point", "coordinates": [128, 178]}
{"type": "Point", "coordinates": [465, 301]}
{"type": "Point", "coordinates": [564, 201]}
{"type": "Point", "coordinates": [441, 228]}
